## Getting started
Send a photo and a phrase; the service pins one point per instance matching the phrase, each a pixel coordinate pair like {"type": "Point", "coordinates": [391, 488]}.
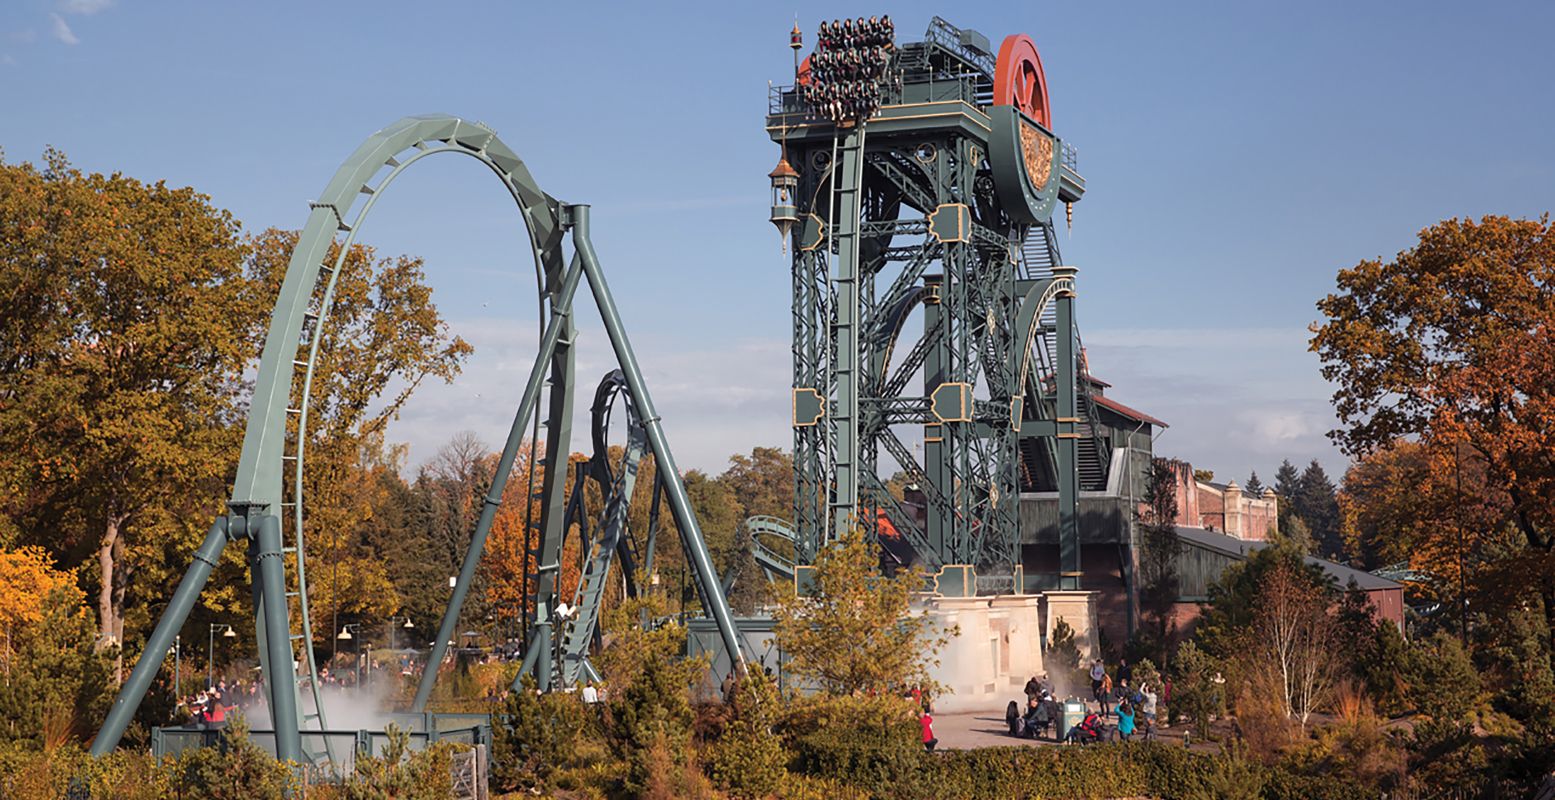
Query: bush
{"type": "Point", "coordinates": [236, 769]}
{"type": "Point", "coordinates": [748, 760]}
{"type": "Point", "coordinates": [399, 774]}
{"type": "Point", "coordinates": [535, 737]}
{"type": "Point", "coordinates": [869, 742]}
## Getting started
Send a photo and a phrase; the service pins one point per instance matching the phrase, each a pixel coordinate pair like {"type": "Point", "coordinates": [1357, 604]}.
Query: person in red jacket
{"type": "Point", "coordinates": [926, 721]}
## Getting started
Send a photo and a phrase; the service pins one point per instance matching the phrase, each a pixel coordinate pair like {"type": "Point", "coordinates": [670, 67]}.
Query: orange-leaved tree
{"type": "Point", "coordinates": [1452, 345]}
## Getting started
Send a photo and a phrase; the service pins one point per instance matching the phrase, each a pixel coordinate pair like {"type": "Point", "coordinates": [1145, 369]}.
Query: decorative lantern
{"type": "Point", "coordinates": [785, 183]}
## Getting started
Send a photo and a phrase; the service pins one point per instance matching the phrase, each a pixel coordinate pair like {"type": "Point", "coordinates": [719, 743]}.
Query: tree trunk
{"type": "Point", "coordinates": [108, 626]}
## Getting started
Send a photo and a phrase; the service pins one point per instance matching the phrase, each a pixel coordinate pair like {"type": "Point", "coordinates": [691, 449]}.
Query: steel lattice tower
{"type": "Point", "coordinates": [933, 195]}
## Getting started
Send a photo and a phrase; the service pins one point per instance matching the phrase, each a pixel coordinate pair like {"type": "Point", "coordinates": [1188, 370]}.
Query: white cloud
{"type": "Point", "coordinates": [62, 30]}
{"type": "Point", "coordinates": [86, 7]}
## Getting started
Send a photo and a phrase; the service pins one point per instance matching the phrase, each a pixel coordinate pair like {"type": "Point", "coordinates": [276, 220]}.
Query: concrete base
{"type": "Point", "coordinates": [1078, 609]}
{"type": "Point", "coordinates": [997, 651]}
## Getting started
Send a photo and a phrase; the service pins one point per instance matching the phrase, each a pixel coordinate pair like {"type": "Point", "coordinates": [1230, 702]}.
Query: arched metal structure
{"type": "Point", "coordinates": [267, 503]}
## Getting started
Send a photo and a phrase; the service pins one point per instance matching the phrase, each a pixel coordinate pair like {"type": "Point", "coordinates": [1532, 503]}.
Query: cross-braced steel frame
{"type": "Point", "coordinates": [899, 214]}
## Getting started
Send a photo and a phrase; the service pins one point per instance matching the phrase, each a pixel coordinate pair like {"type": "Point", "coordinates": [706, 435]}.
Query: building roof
{"type": "Point", "coordinates": [1240, 548]}
{"type": "Point", "coordinates": [1113, 405]}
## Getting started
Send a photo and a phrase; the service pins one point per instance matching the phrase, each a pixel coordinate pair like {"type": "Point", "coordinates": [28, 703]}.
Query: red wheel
{"type": "Point", "coordinates": [1018, 79]}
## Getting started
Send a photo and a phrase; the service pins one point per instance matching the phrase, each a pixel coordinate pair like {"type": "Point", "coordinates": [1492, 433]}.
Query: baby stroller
{"type": "Point", "coordinates": [1090, 731]}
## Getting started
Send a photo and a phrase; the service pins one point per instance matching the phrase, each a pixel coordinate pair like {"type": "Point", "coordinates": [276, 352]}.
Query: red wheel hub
{"type": "Point", "coordinates": [1018, 79]}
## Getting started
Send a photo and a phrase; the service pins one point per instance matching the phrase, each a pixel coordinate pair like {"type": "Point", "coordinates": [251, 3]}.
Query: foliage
{"type": "Point", "coordinates": [1233, 599]}
{"type": "Point", "coordinates": [1120, 770]}
{"type": "Point", "coordinates": [869, 741]}
{"type": "Point", "coordinates": [399, 774]}
{"type": "Point", "coordinates": [1451, 344]}
{"type": "Point", "coordinates": [1444, 683]}
{"type": "Point", "coordinates": [748, 759]}
{"type": "Point", "coordinates": [124, 335]}
{"type": "Point", "coordinates": [1198, 689]}
{"type": "Point", "coordinates": [1316, 505]}
{"type": "Point", "coordinates": [1063, 661]}
{"type": "Point", "coordinates": [535, 736]}
{"type": "Point", "coordinates": [57, 685]}
{"type": "Point", "coordinates": [650, 690]}
{"type": "Point", "coordinates": [1158, 556]}
{"type": "Point", "coordinates": [237, 769]}
{"type": "Point", "coordinates": [1358, 747]}
{"type": "Point", "coordinates": [1290, 647]}
{"type": "Point", "coordinates": [855, 630]}
{"type": "Point", "coordinates": [27, 580]}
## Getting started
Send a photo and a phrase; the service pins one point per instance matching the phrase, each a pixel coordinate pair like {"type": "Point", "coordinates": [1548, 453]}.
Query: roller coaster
{"type": "Point", "coordinates": [947, 206]}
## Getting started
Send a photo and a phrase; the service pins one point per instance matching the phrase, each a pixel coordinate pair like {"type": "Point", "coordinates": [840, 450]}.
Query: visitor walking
{"type": "Point", "coordinates": [1098, 672]}
{"type": "Point", "coordinates": [926, 721]}
{"type": "Point", "coordinates": [1104, 695]}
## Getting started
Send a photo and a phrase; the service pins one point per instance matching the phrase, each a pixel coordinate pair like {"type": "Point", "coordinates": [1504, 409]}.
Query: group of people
{"type": "Point", "coordinates": [1133, 707]}
{"type": "Point", "coordinates": [211, 707]}
{"type": "Point", "coordinates": [843, 76]}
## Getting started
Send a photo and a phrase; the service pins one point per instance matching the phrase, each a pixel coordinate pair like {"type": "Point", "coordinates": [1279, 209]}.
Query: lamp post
{"type": "Point", "coordinates": [345, 636]}
{"type": "Point", "coordinates": [407, 626]}
{"type": "Point", "coordinates": [210, 652]}
{"type": "Point", "coordinates": [178, 656]}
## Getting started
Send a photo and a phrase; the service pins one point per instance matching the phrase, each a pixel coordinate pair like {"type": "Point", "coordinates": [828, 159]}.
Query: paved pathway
{"type": "Point", "coordinates": [972, 729]}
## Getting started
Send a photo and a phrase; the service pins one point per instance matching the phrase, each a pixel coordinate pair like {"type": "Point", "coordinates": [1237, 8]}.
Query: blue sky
{"type": "Point", "coordinates": [1237, 154]}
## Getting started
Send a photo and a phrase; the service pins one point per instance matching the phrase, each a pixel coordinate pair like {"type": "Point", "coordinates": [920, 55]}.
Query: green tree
{"type": "Point", "coordinates": [1444, 683]}
{"type": "Point", "coordinates": [1254, 486]}
{"type": "Point", "coordinates": [748, 760]}
{"type": "Point", "coordinates": [56, 686]}
{"type": "Point", "coordinates": [536, 737]}
{"type": "Point", "coordinates": [1318, 507]}
{"type": "Point", "coordinates": [854, 630]}
{"type": "Point", "coordinates": [400, 774]}
{"type": "Point", "coordinates": [1158, 556]}
{"type": "Point", "coordinates": [127, 325]}
{"type": "Point", "coordinates": [1198, 689]}
{"type": "Point", "coordinates": [238, 769]}
{"type": "Point", "coordinates": [1234, 599]}
{"type": "Point", "coordinates": [1287, 484]}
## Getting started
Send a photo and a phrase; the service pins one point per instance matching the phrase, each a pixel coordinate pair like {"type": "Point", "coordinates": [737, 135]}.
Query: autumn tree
{"type": "Point", "coordinates": [27, 579]}
{"type": "Point", "coordinates": [762, 482]}
{"type": "Point", "coordinates": [126, 325]}
{"type": "Point", "coordinates": [1452, 344]}
{"type": "Point", "coordinates": [383, 337]}
{"type": "Point", "coordinates": [53, 685]}
{"type": "Point", "coordinates": [854, 630]}
{"type": "Point", "coordinates": [1290, 644]}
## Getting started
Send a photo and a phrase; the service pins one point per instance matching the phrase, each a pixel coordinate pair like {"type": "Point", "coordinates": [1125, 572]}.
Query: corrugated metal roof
{"type": "Point", "coordinates": [1239, 548]}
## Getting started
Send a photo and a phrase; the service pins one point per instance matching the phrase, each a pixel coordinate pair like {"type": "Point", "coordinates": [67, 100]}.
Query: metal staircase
{"type": "Point", "coordinates": [1038, 255]}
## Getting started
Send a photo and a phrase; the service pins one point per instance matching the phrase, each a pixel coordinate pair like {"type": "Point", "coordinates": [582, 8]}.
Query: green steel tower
{"type": "Point", "coordinates": [923, 177]}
